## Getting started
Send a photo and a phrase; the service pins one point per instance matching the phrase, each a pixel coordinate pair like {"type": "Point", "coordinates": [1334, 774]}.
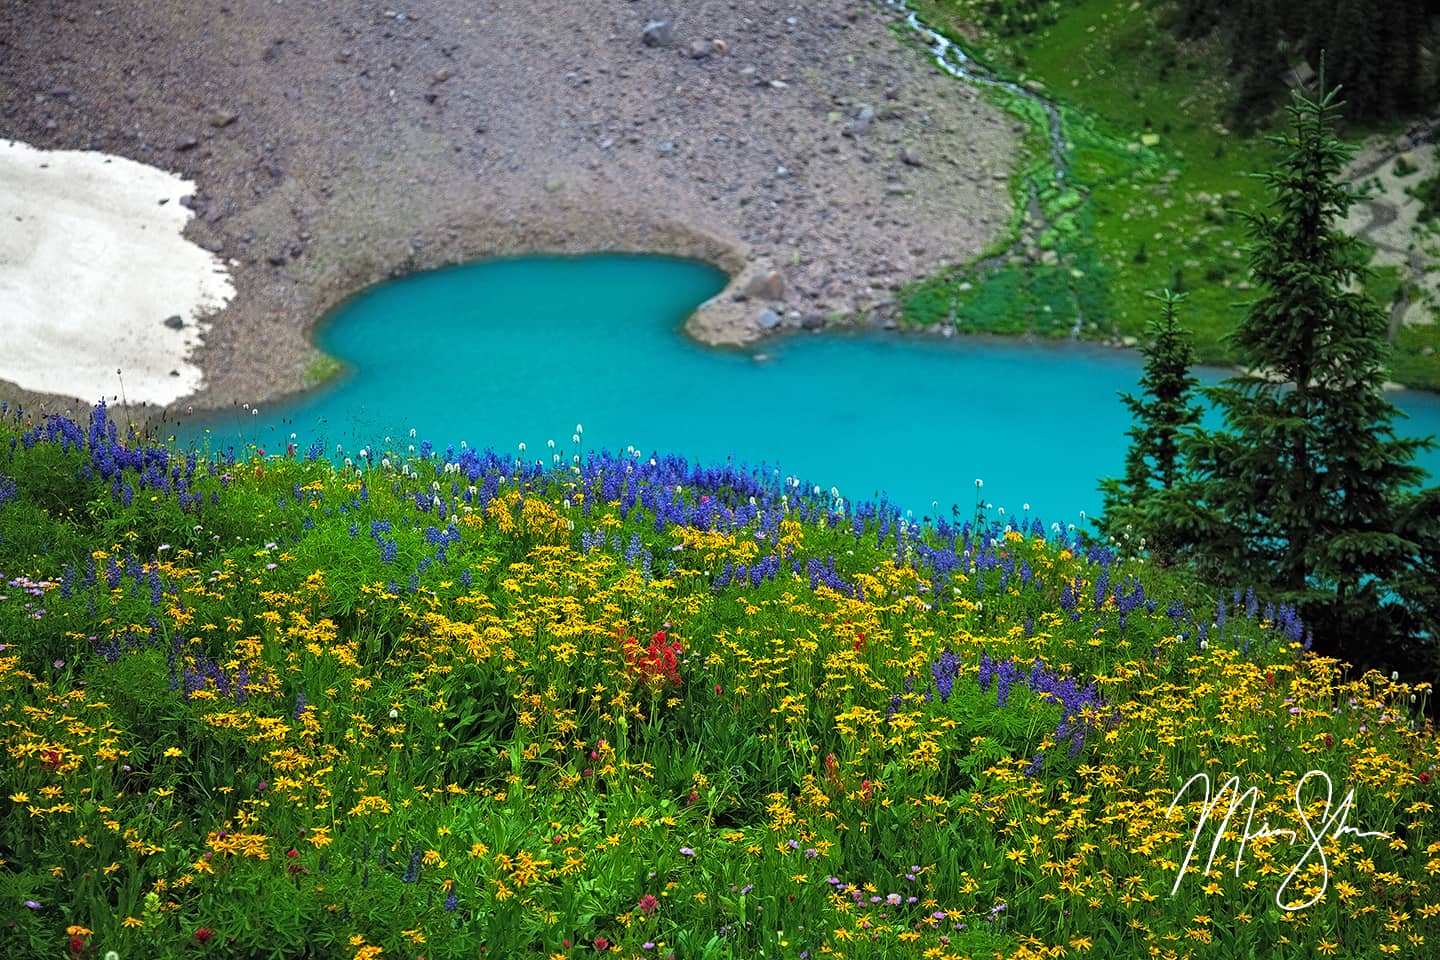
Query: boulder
{"type": "Point", "coordinates": [174, 322]}
{"type": "Point", "coordinates": [860, 119]}
{"type": "Point", "coordinates": [767, 319]}
{"type": "Point", "coordinates": [699, 49]}
{"type": "Point", "coordinates": [769, 285]}
{"type": "Point", "coordinates": [658, 33]}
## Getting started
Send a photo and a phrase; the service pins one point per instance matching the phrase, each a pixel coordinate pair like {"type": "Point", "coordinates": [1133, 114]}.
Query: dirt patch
{"type": "Point", "coordinates": [337, 144]}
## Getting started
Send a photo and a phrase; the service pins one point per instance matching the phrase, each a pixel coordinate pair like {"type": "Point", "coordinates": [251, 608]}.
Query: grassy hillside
{"type": "Point", "coordinates": [1158, 184]}
{"type": "Point", "coordinates": [449, 703]}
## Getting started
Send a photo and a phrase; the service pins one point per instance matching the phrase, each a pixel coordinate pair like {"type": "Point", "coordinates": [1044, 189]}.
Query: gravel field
{"type": "Point", "coordinates": [799, 146]}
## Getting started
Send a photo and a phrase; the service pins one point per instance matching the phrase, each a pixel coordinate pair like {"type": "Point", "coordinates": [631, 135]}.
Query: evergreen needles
{"type": "Point", "coordinates": [1136, 506]}
{"type": "Point", "coordinates": [1305, 490]}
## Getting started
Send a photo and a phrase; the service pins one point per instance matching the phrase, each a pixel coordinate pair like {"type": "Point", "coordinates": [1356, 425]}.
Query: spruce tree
{"type": "Point", "coordinates": [1380, 51]}
{"type": "Point", "coordinates": [1196, 18]}
{"type": "Point", "coordinates": [1137, 505]}
{"type": "Point", "coordinates": [1419, 586]}
{"type": "Point", "coordinates": [1360, 57]}
{"type": "Point", "coordinates": [1255, 59]}
{"type": "Point", "coordinates": [1302, 491]}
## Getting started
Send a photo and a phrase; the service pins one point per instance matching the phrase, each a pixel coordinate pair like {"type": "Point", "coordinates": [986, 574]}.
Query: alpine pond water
{"type": "Point", "coordinates": [504, 352]}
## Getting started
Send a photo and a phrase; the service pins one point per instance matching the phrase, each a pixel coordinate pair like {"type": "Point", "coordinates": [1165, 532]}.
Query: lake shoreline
{"type": "Point", "coordinates": [335, 148]}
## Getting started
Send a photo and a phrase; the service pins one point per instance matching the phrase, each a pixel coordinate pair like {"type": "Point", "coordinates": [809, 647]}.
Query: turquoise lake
{"type": "Point", "coordinates": [501, 352]}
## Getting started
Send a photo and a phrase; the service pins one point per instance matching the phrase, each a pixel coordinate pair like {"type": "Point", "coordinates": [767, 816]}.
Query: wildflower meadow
{"type": "Point", "coordinates": [439, 702]}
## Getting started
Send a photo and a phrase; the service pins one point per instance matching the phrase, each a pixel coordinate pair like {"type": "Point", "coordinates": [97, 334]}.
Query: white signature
{"type": "Point", "coordinates": [1333, 825]}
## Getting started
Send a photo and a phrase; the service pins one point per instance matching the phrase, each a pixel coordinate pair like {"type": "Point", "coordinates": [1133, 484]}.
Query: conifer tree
{"type": "Point", "coordinates": [1302, 491]}
{"type": "Point", "coordinates": [1136, 506]}
{"type": "Point", "coordinates": [1255, 59]}
{"type": "Point", "coordinates": [1379, 49]}
{"type": "Point", "coordinates": [1196, 18]}
{"type": "Point", "coordinates": [1418, 588]}
{"type": "Point", "coordinates": [1359, 56]}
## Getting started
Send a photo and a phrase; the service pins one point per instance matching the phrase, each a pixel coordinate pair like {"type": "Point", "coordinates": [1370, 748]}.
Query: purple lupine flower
{"type": "Point", "coordinates": [412, 872]}
{"type": "Point", "coordinates": [1102, 586]}
{"type": "Point", "coordinates": [944, 670]}
{"type": "Point", "coordinates": [1068, 597]}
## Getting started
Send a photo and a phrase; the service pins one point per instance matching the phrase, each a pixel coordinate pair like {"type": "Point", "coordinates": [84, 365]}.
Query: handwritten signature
{"type": "Point", "coordinates": [1333, 825]}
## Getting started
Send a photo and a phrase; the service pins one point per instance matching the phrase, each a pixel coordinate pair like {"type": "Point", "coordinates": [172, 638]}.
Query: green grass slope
{"type": "Point", "coordinates": [1158, 185]}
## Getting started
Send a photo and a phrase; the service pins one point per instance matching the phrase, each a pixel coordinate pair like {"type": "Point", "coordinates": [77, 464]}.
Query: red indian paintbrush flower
{"type": "Point", "coordinates": [657, 664]}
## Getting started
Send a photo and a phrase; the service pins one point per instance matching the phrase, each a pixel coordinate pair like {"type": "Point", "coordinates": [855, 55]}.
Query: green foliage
{"type": "Point", "coordinates": [322, 368]}
{"type": "Point", "coordinates": [1428, 193]}
{"type": "Point", "coordinates": [1301, 490]}
{"type": "Point", "coordinates": [1009, 17]}
{"type": "Point", "coordinates": [1375, 50]}
{"type": "Point", "coordinates": [1255, 59]}
{"type": "Point", "coordinates": [929, 301]}
{"type": "Point", "coordinates": [1116, 70]}
{"type": "Point", "coordinates": [399, 707]}
{"type": "Point", "coordinates": [1418, 584]}
{"type": "Point", "coordinates": [1138, 507]}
